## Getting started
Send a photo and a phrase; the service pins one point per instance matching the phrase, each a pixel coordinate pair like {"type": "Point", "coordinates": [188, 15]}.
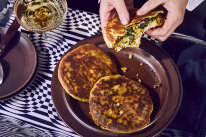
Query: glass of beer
{"type": "Point", "coordinates": [40, 15]}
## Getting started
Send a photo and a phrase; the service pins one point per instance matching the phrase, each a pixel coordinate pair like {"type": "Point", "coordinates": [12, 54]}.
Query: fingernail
{"type": "Point", "coordinates": [124, 21]}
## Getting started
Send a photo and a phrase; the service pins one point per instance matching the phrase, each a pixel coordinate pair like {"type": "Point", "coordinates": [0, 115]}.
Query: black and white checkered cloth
{"type": "Point", "coordinates": [31, 112]}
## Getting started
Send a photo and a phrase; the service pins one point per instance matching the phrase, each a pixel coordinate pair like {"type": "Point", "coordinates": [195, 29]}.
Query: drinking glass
{"type": "Point", "coordinates": [40, 15]}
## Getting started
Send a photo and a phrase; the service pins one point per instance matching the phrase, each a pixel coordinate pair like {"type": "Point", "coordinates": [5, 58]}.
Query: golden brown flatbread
{"type": "Point", "coordinates": [120, 36]}
{"type": "Point", "coordinates": [82, 67]}
{"type": "Point", "coordinates": [120, 105]}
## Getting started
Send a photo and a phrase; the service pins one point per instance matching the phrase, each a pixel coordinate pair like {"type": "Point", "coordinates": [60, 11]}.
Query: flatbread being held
{"type": "Point", "coordinates": [120, 105]}
{"type": "Point", "coordinates": [80, 68]}
{"type": "Point", "coordinates": [120, 36]}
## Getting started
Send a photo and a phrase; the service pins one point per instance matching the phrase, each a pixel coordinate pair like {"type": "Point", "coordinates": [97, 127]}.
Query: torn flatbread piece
{"type": "Point", "coordinates": [120, 36]}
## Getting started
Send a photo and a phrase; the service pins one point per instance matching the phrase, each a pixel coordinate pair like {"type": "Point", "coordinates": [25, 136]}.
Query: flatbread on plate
{"type": "Point", "coordinates": [119, 104]}
{"type": "Point", "coordinates": [80, 68]}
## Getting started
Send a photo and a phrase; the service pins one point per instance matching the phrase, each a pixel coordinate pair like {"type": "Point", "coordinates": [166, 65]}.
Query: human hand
{"type": "Point", "coordinates": [176, 10]}
{"type": "Point", "coordinates": [112, 8]}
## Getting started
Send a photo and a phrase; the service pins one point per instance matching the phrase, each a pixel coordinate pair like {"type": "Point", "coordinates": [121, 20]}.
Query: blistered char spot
{"type": "Point", "coordinates": [109, 35]}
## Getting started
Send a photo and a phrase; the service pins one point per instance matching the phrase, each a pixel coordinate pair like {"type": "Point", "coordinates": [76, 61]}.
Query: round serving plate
{"type": "Point", "coordinates": [150, 64]}
{"type": "Point", "coordinates": [19, 64]}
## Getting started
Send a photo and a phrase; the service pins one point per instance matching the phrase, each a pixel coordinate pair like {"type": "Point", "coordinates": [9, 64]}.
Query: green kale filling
{"type": "Point", "coordinates": [146, 22]}
{"type": "Point", "coordinates": [131, 32]}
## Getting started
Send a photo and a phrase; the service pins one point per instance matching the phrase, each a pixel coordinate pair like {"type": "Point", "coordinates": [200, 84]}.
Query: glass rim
{"type": "Point", "coordinates": [43, 29]}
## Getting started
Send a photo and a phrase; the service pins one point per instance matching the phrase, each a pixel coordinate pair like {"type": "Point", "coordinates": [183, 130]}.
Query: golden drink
{"type": "Point", "coordinates": [40, 15]}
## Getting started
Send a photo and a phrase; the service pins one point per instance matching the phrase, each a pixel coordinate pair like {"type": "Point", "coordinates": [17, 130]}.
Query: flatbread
{"type": "Point", "coordinates": [80, 68]}
{"type": "Point", "coordinates": [119, 104]}
{"type": "Point", "coordinates": [120, 36]}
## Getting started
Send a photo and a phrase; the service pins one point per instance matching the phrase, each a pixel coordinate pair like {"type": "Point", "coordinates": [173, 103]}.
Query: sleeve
{"type": "Point", "coordinates": [192, 4]}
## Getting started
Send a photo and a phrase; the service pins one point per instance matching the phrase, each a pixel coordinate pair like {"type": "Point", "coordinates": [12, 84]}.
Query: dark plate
{"type": "Point", "coordinates": [19, 64]}
{"type": "Point", "coordinates": [157, 67]}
